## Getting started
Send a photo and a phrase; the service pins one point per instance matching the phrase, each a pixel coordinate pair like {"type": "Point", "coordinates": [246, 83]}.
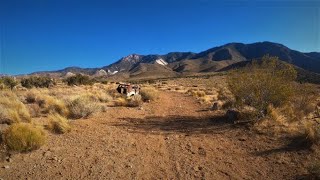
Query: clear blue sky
{"type": "Point", "coordinates": [52, 34]}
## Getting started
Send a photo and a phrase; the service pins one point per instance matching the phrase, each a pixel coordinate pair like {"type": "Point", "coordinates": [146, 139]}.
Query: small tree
{"type": "Point", "coordinates": [39, 82]}
{"type": "Point", "coordinates": [79, 79]}
{"type": "Point", "coordinates": [263, 83]}
{"type": "Point", "coordinates": [8, 82]}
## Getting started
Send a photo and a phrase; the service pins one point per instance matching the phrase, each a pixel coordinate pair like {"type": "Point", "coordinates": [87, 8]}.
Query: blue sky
{"type": "Point", "coordinates": [41, 35]}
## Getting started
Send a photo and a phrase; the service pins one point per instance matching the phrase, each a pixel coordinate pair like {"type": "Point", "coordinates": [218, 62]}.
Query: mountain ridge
{"type": "Point", "coordinates": [210, 60]}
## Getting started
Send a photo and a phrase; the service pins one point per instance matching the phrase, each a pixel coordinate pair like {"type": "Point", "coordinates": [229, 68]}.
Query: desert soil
{"type": "Point", "coordinates": [174, 137]}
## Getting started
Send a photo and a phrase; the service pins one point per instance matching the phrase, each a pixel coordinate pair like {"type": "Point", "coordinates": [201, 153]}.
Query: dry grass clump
{"type": "Point", "coordinates": [314, 170]}
{"type": "Point", "coordinates": [46, 103]}
{"type": "Point", "coordinates": [58, 124]}
{"type": "Point", "coordinates": [31, 96]}
{"type": "Point", "coordinates": [96, 95]}
{"type": "Point", "coordinates": [135, 101]}
{"type": "Point", "coordinates": [113, 92]}
{"type": "Point", "coordinates": [196, 93]}
{"type": "Point", "coordinates": [121, 101]}
{"type": "Point", "coordinates": [102, 96]}
{"type": "Point", "coordinates": [312, 133]}
{"type": "Point", "coordinates": [52, 105]}
{"type": "Point", "coordinates": [12, 109]}
{"type": "Point", "coordinates": [206, 99]}
{"type": "Point", "coordinates": [34, 110]}
{"type": "Point", "coordinates": [23, 137]}
{"type": "Point", "coordinates": [82, 107]}
{"type": "Point", "coordinates": [149, 94]}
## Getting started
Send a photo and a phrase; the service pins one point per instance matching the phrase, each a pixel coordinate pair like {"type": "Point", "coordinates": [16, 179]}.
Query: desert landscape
{"type": "Point", "coordinates": [176, 128]}
{"type": "Point", "coordinates": [159, 89]}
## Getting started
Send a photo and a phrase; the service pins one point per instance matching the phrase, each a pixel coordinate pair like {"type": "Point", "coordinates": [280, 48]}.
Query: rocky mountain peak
{"type": "Point", "coordinates": [132, 57]}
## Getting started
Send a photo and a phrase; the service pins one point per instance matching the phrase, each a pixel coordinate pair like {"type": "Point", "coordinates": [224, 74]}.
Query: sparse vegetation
{"type": "Point", "coordinates": [8, 82]}
{"type": "Point", "coordinates": [149, 93]}
{"type": "Point", "coordinates": [262, 84]}
{"type": "Point", "coordinates": [82, 107]}
{"type": "Point", "coordinates": [121, 101]}
{"type": "Point", "coordinates": [46, 103]}
{"type": "Point", "coordinates": [58, 124]}
{"type": "Point", "coordinates": [38, 82]}
{"type": "Point", "coordinates": [12, 110]}
{"type": "Point", "coordinates": [23, 137]}
{"type": "Point", "coordinates": [314, 170]}
{"type": "Point", "coordinates": [79, 79]}
{"type": "Point", "coordinates": [135, 101]}
{"type": "Point", "coordinates": [312, 133]}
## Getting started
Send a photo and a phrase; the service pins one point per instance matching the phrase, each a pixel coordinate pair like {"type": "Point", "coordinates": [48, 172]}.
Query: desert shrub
{"type": "Point", "coordinates": [135, 101]}
{"type": "Point", "coordinates": [312, 132]}
{"type": "Point", "coordinates": [8, 82]}
{"type": "Point", "coordinates": [100, 96]}
{"type": "Point", "coordinates": [82, 107]}
{"type": "Point", "coordinates": [58, 124]}
{"type": "Point", "coordinates": [34, 110]}
{"type": "Point", "coordinates": [121, 101]}
{"type": "Point", "coordinates": [49, 104]}
{"type": "Point", "coordinates": [149, 94]}
{"type": "Point", "coordinates": [314, 170]}
{"type": "Point", "coordinates": [78, 79]}
{"type": "Point", "coordinates": [38, 82]}
{"type": "Point", "coordinates": [200, 94]}
{"type": "Point", "coordinates": [114, 93]}
{"type": "Point", "coordinates": [12, 109]}
{"type": "Point", "coordinates": [205, 99]}
{"type": "Point", "coordinates": [261, 84]}
{"type": "Point", "coordinates": [304, 101]}
{"type": "Point", "coordinates": [2, 86]}
{"type": "Point", "coordinates": [31, 97]}
{"type": "Point", "coordinates": [23, 137]}
{"type": "Point", "coordinates": [196, 93]}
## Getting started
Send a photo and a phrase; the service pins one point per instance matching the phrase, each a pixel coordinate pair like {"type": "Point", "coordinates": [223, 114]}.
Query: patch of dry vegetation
{"type": "Point", "coordinates": [46, 103]}
{"type": "Point", "coordinates": [58, 124]}
{"type": "Point", "coordinates": [279, 105]}
{"type": "Point", "coordinates": [82, 107]}
{"type": "Point", "coordinates": [23, 137]}
{"type": "Point", "coordinates": [149, 93]}
{"type": "Point", "coordinates": [12, 110]}
{"type": "Point", "coordinates": [261, 85]}
{"type": "Point", "coordinates": [314, 170]}
{"type": "Point", "coordinates": [135, 101]}
{"type": "Point", "coordinates": [121, 101]}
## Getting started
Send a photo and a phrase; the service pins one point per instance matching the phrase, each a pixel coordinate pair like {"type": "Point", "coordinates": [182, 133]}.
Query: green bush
{"type": "Point", "coordinates": [79, 79]}
{"type": "Point", "coordinates": [23, 137]}
{"type": "Point", "coordinates": [8, 82]}
{"type": "Point", "coordinates": [264, 83]}
{"type": "Point", "coordinates": [38, 82]}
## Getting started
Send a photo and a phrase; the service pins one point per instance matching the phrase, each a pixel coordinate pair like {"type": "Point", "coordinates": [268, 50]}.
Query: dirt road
{"type": "Point", "coordinates": [172, 138]}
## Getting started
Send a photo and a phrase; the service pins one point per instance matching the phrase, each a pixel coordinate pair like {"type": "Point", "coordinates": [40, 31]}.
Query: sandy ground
{"type": "Point", "coordinates": [172, 138]}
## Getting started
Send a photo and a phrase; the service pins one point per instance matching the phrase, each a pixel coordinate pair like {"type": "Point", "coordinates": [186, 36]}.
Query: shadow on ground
{"type": "Point", "coordinates": [297, 143]}
{"type": "Point", "coordinates": [176, 124]}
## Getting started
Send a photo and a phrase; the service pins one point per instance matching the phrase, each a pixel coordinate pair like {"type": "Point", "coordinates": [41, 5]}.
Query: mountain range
{"type": "Point", "coordinates": [215, 59]}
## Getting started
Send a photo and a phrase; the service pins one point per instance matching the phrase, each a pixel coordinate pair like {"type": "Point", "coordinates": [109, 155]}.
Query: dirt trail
{"type": "Point", "coordinates": [173, 138]}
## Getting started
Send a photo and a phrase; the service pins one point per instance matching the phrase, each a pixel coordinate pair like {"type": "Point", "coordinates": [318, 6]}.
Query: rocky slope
{"type": "Point", "coordinates": [211, 60]}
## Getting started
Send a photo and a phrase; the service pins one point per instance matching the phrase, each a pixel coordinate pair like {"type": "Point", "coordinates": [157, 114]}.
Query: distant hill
{"type": "Point", "coordinates": [215, 59]}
